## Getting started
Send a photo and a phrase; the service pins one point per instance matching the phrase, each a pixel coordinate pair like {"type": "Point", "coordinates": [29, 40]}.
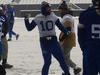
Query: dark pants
{"type": "Point", "coordinates": [91, 60]}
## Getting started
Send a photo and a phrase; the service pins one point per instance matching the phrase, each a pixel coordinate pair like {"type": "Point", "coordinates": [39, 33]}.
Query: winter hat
{"type": "Point", "coordinates": [63, 6]}
{"type": "Point", "coordinates": [96, 2]}
{"type": "Point", "coordinates": [44, 5]}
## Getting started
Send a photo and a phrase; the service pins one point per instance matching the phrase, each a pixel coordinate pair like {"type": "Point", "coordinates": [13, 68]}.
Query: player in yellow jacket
{"type": "Point", "coordinates": [68, 42]}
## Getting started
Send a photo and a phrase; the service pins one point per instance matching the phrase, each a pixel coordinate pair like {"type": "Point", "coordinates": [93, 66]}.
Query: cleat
{"type": "Point", "coordinates": [9, 39]}
{"type": "Point", "coordinates": [17, 36]}
{"type": "Point", "coordinates": [77, 71]}
{"type": "Point", "coordinates": [7, 65]}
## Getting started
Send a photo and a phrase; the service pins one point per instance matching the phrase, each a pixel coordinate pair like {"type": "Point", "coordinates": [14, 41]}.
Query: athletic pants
{"type": "Point", "coordinates": [91, 60]}
{"type": "Point", "coordinates": [52, 48]}
{"type": "Point", "coordinates": [11, 30]}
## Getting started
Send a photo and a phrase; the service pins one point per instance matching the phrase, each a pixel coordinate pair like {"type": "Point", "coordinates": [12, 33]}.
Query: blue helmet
{"type": "Point", "coordinates": [96, 2]}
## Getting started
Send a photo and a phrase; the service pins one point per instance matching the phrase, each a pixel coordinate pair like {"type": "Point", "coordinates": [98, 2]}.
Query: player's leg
{"type": "Point", "coordinates": [89, 61]}
{"type": "Point", "coordinates": [1, 49]}
{"type": "Point", "coordinates": [47, 58]}
{"type": "Point", "coordinates": [70, 63]}
{"type": "Point", "coordinates": [5, 53]}
{"type": "Point", "coordinates": [5, 48]}
{"type": "Point", "coordinates": [98, 60]}
{"type": "Point", "coordinates": [58, 54]}
{"type": "Point", "coordinates": [66, 51]}
{"type": "Point", "coordinates": [85, 62]}
{"type": "Point", "coordinates": [94, 60]}
{"type": "Point", "coordinates": [10, 31]}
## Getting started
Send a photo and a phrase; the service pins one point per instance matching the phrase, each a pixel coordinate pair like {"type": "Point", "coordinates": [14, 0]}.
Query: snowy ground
{"type": "Point", "coordinates": [25, 53]}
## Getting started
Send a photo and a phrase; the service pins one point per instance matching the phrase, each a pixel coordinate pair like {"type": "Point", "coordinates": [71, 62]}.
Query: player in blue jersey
{"type": "Point", "coordinates": [11, 15]}
{"type": "Point", "coordinates": [89, 38]}
{"type": "Point", "coordinates": [46, 22]}
{"type": "Point", "coordinates": [5, 29]}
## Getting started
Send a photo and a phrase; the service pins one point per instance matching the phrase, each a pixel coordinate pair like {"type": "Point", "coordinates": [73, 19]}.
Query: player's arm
{"type": "Point", "coordinates": [5, 12]}
{"type": "Point", "coordinates": [67, 25]}
{"type": "Point", "coordinates": [5, 27]}
{"type": "Point", "coordinates": [81, 36]}
{"type": "Point", "coordinates": [8, 15]}
{"type": "Point", "coordinates": [30, 26]}
{"type": "Point", "coordinates": [81, 31]}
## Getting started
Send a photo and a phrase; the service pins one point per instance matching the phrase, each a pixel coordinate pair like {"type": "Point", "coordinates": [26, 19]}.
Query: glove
{"type": "Point", "coordinates": [26, 16]}
{"type": "Point", "coordinates": [63, 36]}
{"type": "Point", "coordinates": [69, 33]}
{"type": "Point", "coordinates": [3, 35]}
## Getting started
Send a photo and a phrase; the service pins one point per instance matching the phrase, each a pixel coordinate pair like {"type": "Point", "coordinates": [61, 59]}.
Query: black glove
{"type": "Point", "coordinates": [63, 36]}
{"type": "Point", "coordinates": [26, 16]}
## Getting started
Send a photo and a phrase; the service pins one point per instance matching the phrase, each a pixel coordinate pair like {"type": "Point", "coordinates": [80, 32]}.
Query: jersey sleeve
{"type": "Point", "coordinates": [61, 27]}
{"type": "Point", "coordinates": [81, 32]}
{"type": "Point", "coordinates": [68, 22]}
{"type": "Point", "coordinates": [30, 26]}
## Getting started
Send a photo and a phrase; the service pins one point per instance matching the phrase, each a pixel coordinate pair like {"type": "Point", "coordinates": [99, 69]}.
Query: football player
{"type": "Point", "coordinates": [4, 28]}
{"type": "Point", "coordinates": [11, 15]}
{"type": "Point", "coordinates": [46, 22]}
{"type": "Point", "coordinates": [89, 38]}
{"type": "Point", "coordinates": [67, 43]}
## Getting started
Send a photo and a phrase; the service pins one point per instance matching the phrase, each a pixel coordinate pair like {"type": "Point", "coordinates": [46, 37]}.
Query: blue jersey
{"type": "Point", "coordinates": [4, 11]}
{"type": "Point", "coordinates": [11, 11]}
{"type": "Point", "coordinates": [89, 27]}
{"type": "Point", "coordinates": [3, 19]}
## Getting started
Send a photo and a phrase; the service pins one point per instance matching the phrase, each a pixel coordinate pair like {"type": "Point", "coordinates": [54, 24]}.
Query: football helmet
{"type": "Point", "coordinates": [96, 2]}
